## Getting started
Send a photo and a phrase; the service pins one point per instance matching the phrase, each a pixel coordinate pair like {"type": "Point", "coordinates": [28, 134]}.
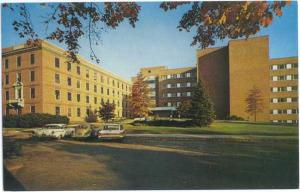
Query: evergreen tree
{"type": "Point", "coordinates": [184, 108]}
{"type": "Point", "coordinates": [139, 99]}
{"type": "Point", "coordinates": [202, 110]}
{"type": "Point", "coordinates": [106, 111]}
{"type": "Point", "coordinates": [254, 102]}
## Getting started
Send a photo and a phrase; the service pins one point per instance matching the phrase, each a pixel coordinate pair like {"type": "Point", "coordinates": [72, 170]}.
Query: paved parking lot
{"type": "Point", "coordinates": [140, 163]}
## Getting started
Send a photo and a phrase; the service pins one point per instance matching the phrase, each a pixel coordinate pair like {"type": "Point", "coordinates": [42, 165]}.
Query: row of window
{"type": "Point", "coordinates": [173, 104]}
{"type": "Point", "coordinates": [285, 121]}
{"type": "Point", "coordinates": [69, 83]}
{"type": "Point", "coordinates": [32, 94]}
{"type": "Point", "coordinates": [19, 61]}
{"type": "Point", "coordinates": [284, 100]}
{"type": "Point", "coordinates": [19, 77]}
{"type": "Point", "coordinates": [284, 77]}
{"type": "Point", "coordinates": [178, 94]}
{"type": "Point", "coordinates": [179, 85]}
{"type": "Point", "coordinates": [284, 66]}
{"type": "Point", "coordinates": [176, 76]}
{"type": "Point", "coordinates": [284, 111]}
{"type": "Point", "coordinates": [78, 111]}
{"type": "Point", "coordinates": [284, 89]}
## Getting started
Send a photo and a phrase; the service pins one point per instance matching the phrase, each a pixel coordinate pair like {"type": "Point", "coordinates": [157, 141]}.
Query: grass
{"type": "Point", "coordinates": [219, 128]}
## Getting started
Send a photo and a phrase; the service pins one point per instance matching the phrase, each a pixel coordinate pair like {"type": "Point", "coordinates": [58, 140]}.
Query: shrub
{"type": "Point", "coordinates": [235, 118]}
{"type": "Point", "coordinates": [91, 117]}
{"type": "Point", "coordinates": [163, 122]}
{"type": "Point", "coordinates": [30, 120]}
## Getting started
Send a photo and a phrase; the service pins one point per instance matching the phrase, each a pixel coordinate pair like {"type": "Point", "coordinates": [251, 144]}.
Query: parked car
{"type": "Point", "coordinates": [52, 130]}
{"type": "Point", "coordinates": [80, 130]}
{"type": "Point", "coordinates": [112, 131]}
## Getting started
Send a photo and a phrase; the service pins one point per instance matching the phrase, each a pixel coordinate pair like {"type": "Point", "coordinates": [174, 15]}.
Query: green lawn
{"type": "Point", "coordinates": [220, 128]}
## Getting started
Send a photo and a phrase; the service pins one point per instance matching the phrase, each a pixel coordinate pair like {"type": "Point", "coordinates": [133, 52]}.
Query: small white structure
{"type": "Point", "coordinates": [18, 102]}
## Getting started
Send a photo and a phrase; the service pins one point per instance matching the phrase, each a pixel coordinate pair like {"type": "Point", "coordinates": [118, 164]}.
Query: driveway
{"type": "Point", "coordinates": [141, 163]}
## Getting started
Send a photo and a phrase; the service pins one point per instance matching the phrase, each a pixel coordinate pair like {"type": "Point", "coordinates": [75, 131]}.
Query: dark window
{"type": "Point", "coordinates": [78, 97]}
{"type": "Point", "coordinates": [57, 94]}
{"type": "Point", "coordinates": [32, 59]}
{"type": "Point", "coordinates": [57, 79]}
{"type": "Point", "coordinates": [87, 85]}
{"type": "Point", "coordinates": [87, 99]}
{"type": "Point", "coordinates": [78, 70]}
{"type": "Point", "coordinates": [88, 111]}
{"type": "Point", "coordinates": [69, 81]}
{"type": "Point", "coordinates": [69, 67]}
{"type": "Point", "coordinates": [7, 95]}
{"type": "Point", "coordinates": [32, 109]}
{"type": "Point", "coordinates": [78, 83]}
{"type": "Point", "coordinates": [95, 88]}
{"type": "Point", "coordinates": [107, 91]}
{"type": "Point", "coordinates": [32, 93]}
{"type": "Point", "coordinates": [19, 61]}
{"type": "Point", "coordinates": [69, 96]}
{"type": "Point", "coordinates": [102, 101]}
{"type": "Point", "coordinates": [19, 77]}
{"type": "Point", "coordinates": [57, 110]}
{"type": "Point", "coordinates": [32, 76]}
{"type": "Point", "coordinates": [57, 62]}
{"type": "Point", "coordinates": [95, 100]}
{"type": "Point", "coordinates": [6, 63]}
{"type": "Point", "coordinates": [87, 73]}
{"type": "Point", "coordinates": [102, 90]}
{"type": "Point", "coordinates": [6, 79]}
{"type": "Point", "coordinates": [78, 112]}
{"type": "Point", "coordinates": [113, 82]}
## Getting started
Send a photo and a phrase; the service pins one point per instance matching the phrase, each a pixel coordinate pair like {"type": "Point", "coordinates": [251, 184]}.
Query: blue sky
{"type": "Point", "coordinates": [155, 40]}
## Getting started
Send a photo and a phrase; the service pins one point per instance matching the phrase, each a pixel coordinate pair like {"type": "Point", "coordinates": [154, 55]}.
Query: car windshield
{"type": "Point", "coordinates": [53, 127]}
{"type": "Point", "coordinates": [111, 127]}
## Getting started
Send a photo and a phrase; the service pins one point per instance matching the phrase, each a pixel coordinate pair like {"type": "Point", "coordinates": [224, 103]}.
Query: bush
{"type": "Point", "coordinates": [163, 122]}
{"type": "Point", "coordinates": [91, 117]}
{"type": "Point", "coordinates": [235, 118]}
{"type": "Point", "coordinates": [30, 120]}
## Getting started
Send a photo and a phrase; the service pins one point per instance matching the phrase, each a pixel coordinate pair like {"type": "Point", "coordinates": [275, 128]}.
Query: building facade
{"type": "Point", "coordinates": [169, 87]}
{"type": "Point", "coordinates": [229, 73]}
{"type": "Point", "coordinates": [51, 85]}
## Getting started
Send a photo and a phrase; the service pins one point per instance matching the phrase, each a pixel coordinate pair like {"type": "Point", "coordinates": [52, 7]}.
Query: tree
{"type": "Point", "coordinates": [202, 111]}
{"type": "Point", "coordinates": [139, 99]}
{"type": "Point", "coordinates": [211, 20]}
{"type": "Point", "coordinates": [91, 116]}
{"type": "Point", "coordinates": [184, 109]}
{"type": "Point", "coordinates": [254, 102]}
{"type": "Point", "coordinates": [107, 111]}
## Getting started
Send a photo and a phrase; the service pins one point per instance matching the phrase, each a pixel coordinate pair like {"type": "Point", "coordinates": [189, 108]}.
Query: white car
{"type": "Point", "coordinates": [52, 130]}
{"type": "Point", "coordinates": [112, 131]}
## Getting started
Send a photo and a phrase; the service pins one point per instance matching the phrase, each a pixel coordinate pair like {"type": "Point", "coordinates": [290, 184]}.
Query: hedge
{"type": "Point", "coordinates": [167, 123]}
{"type": "Point", "coordinates": [30, 120]}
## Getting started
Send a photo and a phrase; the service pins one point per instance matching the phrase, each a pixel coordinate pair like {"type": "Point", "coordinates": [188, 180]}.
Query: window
{"type": "Point", "coordinates": [7, 95]}
{"type": "Point", "coordinates": [69, 66]}
{"type": "Point", "coordinates": [57, 65]}
{"type": "Point", "coordinates": [102, 79]}
{"type": "Point", "coordinates": [188, 84]}
{"type": "Point", "coordinates": [274, 67]}
{"type": "Point", "coordinates": [169, 104]}
{"type": "Point", "coordinates": [78, 97]}
{"type": "Point", "coordinates": [113, 82]}
{"type": "Point", "coordinates": [168, 85]}
{"type": "Point", "coordinates": [78, 83]}
{"type": "Point", "coordinates": [113, 92]}
{"type": "Point", "coordinates": [95, 100]}
{"type": "Point", "coordinates": [69, 81]}
{"type": "Point", "coordinates": [32, 93]}
{"type": "Point", "coordinates": [178, 75]}
{"type": "Point", "coordinates": [188, 94]}
{"type": "Point", "coordinates": [87, 98]}
{"type": "Point", "coordinates": [151, 85]}
{"type": "Point", "coordinates": [87, 74]}
{"type": "Point", "coordinates": [69, 112]}
{"type": "Point", "coordinates": [107, 91]}
{"type": "Point", "coordinates": [288, 66]}
{"type": "Point", "coordinates": [6, 63]}
{"type": "Point", "coordinates": [295, 77]}
{"type": "Point", "coordinates": [32, 109]}
{"type": "Point", "coordinates": [274, 78]}
{"type": "Point", "coordinates": [6, 79]}
{"type": "Point", "coordinates": [178, 85]}
{"type": "Point", "coordinates": [19, 77]}
{"type": "Point", "coordinates": [169, 95]}
{"type": "Point", "coordinates": [57, 110]}
{"type": "Point", "coordinates": [57, 94]}
{"type": "Point", "coordinates": [69, 96]}
{"type": "Point", "coordinates": [95, 76]}
{"type": "Point", "coordinates": [178, 94]}
{"type": "Point", "coordinates": [102, 101]}
{"type": "Point", "coordinates": [118, 84]}
{"type": "Point", "coordinates": [188, 74]}
{"type": "Point", "coordinates": [178, 104]}
{"type": "Point", "coordinates": [32, 75]}
{"type": "Point", "coordinates": [78, 112]}
{"type": "Point", "coordinates": [87, 86]}
{"type": "Point", "coordinates": [32, 59]}
{"type": "Point", "coordinates": [107, 80]}
{"type": "Point", "coordinates": [289, 77]}
{"type": "Point", "coordinates": [95, 88]}
{"type": "Point", "coordinates": [169, 77]}
{"type": "Point", "coordinates": [275, 111]}
{"type": "Point", "coordinates": [78, 70]}
{"type": "Point", "coordinates": [57, 79]}
{"type": "Point", "coordinates": [19, 61]}
{"type": "Point", "coordinates": [101, 90]}
{"type": "Point", "coordinates": [274, 100]}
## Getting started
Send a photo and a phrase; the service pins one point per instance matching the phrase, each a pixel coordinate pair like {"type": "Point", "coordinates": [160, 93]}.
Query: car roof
{"type": "Point", "coordinates": [58, 124]}
{"type": "Point", "coordinates": [112, 124]}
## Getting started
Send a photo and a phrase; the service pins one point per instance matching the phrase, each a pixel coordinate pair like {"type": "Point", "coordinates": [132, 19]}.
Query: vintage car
{"type": "Point", "coordinates": [53, 130]}
{"type": "Point", "coordinates": [112, 131]}
{"type": "Point", "coordinates": [80, 130]}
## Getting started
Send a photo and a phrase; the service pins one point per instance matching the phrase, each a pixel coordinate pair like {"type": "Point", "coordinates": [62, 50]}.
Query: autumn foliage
{"type": "Point", "coordinates": [254, 102]}
{"type": "Point", "coordinates": [107, 111]}
{"type": "Point", "coordinates": [139, 99]}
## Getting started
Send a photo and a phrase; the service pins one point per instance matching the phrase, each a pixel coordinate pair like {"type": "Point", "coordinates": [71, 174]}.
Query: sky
{"type": "Point", "coordinates": [155, 40]}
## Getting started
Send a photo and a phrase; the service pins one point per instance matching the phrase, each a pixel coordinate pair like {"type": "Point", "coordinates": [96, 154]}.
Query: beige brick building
{"type": "Point", "coordinates": [50, 85]}
{"type": "Point", "coordinates": [229, 72]}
